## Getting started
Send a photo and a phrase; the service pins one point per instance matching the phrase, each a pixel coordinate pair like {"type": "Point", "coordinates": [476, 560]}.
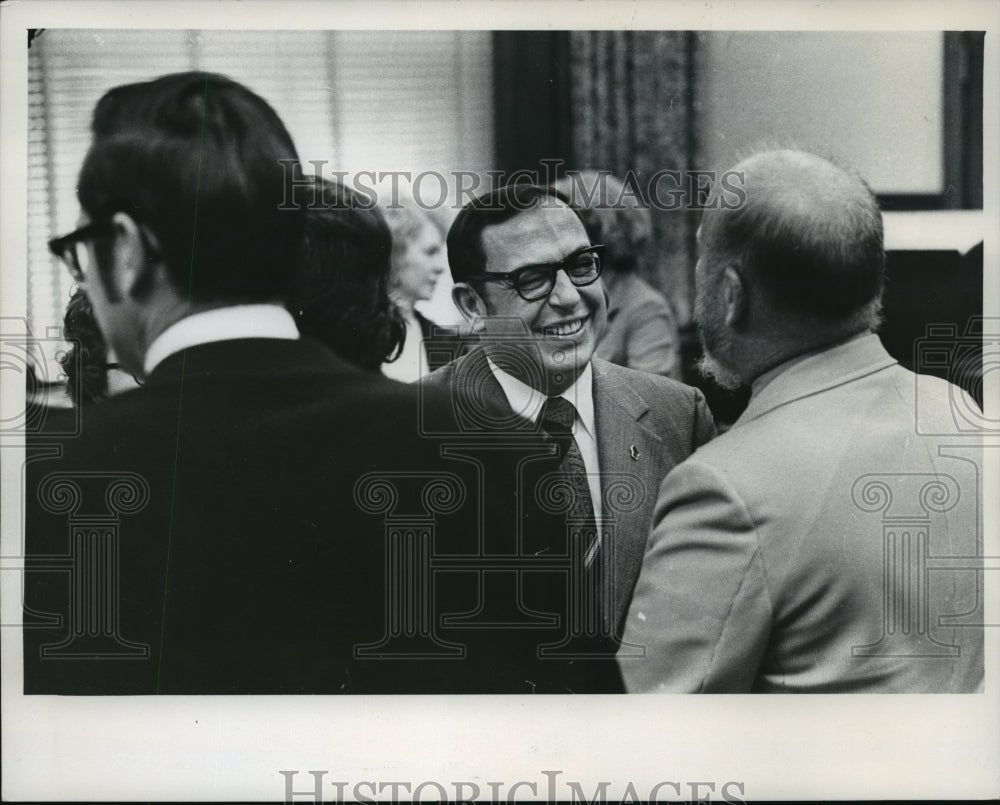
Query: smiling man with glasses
{"type": "Point", "coordinates": [580, 445]}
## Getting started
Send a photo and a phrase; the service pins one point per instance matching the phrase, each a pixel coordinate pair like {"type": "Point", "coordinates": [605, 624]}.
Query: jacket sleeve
{"type": "Point", "coordinates": [700, 618]}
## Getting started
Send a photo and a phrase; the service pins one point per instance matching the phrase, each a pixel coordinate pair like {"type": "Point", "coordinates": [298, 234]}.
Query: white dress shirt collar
{"type": "Point", "coordinates": [527, 402]}
{"type": "Point", "coordinates": [221, 324]}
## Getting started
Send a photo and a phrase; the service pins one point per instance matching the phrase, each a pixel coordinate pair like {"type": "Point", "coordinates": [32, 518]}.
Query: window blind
{"type": "Point", "coordinates": [359, 100]}
{"type": "Point", "coordinates": [69, 70]}
{"type": "Point", "coordinates": [425, 94]}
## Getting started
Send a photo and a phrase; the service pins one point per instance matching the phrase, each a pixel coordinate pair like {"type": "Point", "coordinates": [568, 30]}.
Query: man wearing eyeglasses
{"type": "Point", "coordinates": [202, 533]}
{"type": "Point", "coordinates": [579, 445]}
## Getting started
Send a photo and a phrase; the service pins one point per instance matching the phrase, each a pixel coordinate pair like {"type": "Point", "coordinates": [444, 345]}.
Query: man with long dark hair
{"type": "Point", "coordinates": [340, 295]}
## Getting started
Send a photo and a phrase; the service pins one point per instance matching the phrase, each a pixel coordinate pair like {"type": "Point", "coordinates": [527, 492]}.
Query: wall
{"type": "Point", "coordinates": [874, 100]}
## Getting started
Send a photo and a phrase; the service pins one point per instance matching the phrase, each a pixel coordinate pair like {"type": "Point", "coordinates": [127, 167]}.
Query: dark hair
{"type": "Point", "coordinates": [85, 363]}
{"type": "Point", "coordinates": [340, 294]}
{"type": "Point", "coordinates": [809, 233]}
{"type": "Point", "coordinates": [204, 164]}
{"type": "Point", "coordinates": [465, 238]}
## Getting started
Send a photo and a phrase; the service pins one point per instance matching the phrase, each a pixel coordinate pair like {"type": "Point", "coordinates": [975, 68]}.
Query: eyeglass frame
{"type": "Point", "coordinates": [63, 247]}
{"type": "Point", "coordinates": [553, 268]}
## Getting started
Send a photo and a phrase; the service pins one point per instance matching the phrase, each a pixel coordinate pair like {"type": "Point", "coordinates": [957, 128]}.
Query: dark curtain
{"type": "Point", "coordinates": [632, 110]}
{"type": "Point", "coordinates": [612, 100]}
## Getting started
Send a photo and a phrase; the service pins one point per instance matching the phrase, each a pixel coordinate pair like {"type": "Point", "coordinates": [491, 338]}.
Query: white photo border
{"type": "Point", "coordinates": [234, 748]}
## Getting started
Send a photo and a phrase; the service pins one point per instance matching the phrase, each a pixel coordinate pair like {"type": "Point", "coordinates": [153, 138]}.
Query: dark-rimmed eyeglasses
{"type": "Point", "coordinates": [535, 282]}
{"type": "Point", "coordinates": [68, 247]}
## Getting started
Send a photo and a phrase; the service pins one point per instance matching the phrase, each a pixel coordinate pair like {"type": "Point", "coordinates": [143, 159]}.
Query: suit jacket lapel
{"type": "Point", "coordinates": [628, 484]}
{"type": "Point", "coordinates": [618, 411]}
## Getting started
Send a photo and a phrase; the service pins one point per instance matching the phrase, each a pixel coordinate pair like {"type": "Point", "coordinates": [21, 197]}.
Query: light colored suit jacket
{"type": "Point", "coordinates": [645, 425]}
{"type": "Point", "coordinates": [642, 329]}
{"type": "Point", "coordinates": [826, 543]}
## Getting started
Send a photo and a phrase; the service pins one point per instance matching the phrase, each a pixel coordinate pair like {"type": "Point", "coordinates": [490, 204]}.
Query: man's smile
{"type": "Point", "coordinates": [566, 328]}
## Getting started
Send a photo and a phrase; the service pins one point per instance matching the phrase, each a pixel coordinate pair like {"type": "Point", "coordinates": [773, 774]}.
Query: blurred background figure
{"type": "Point", "coordinates": [642, 327]}
{"type": "Point", "coordinates": [89, 370]}
{"type": "Point", "coordinates": [418, 260]}
{"type": "Point", "coordinates": [92, 374]}
{"type": "Point", "coordinates": [341, 294]}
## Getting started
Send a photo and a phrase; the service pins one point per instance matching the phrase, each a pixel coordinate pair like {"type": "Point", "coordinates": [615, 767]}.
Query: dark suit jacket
{"type": "Point", "coordinates": [233, 554]}
{"type": "Point", "coordinates": [442, 344]}
{"type": "Point", "coordinates": [645, 426]}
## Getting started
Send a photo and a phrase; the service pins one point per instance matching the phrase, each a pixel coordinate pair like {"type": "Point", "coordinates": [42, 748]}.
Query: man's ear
{"type": "Point", "coordinates": [735, 296]}
{"type": "Point", "coordinates": [134, 253]}
{"type": "Point", "coordinates": [470, 304]}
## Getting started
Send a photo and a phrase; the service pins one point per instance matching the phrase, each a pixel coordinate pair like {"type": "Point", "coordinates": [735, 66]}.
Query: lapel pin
{"type": "Point", "coordinates": [634, 452]}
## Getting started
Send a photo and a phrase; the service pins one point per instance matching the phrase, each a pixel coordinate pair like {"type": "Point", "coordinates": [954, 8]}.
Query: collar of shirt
{"type": "Point", "coordinates": [527, 401]}
{"type": "Point", "coordinates": [221, 324]}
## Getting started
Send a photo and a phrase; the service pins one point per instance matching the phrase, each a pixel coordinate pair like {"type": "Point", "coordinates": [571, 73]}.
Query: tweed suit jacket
{"type": "Point", "coordinates": [795, 553]}
{"type": "Point", "coordinates": [645, 425]}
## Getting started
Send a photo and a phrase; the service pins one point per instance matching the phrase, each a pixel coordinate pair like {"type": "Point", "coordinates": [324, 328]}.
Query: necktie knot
{"type": "Point", "coordinates": [558, 415]}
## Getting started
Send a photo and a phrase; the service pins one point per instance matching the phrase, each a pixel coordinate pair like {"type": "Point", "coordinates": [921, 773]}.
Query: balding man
{"type": "Point", "coordinates": [791, 554]}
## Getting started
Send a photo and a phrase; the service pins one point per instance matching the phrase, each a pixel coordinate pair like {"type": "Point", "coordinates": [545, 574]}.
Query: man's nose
{"type": "Point", "coordinates": [564, 292]}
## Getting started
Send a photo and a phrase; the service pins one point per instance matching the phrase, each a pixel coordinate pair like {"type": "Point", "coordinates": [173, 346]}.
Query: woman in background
{"type": "Point", "coordinates": [642, 328]}
{"type": "Point", "coordinates": [418, 260]}
{"type": "Point", "coordinates": [340, 296]}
